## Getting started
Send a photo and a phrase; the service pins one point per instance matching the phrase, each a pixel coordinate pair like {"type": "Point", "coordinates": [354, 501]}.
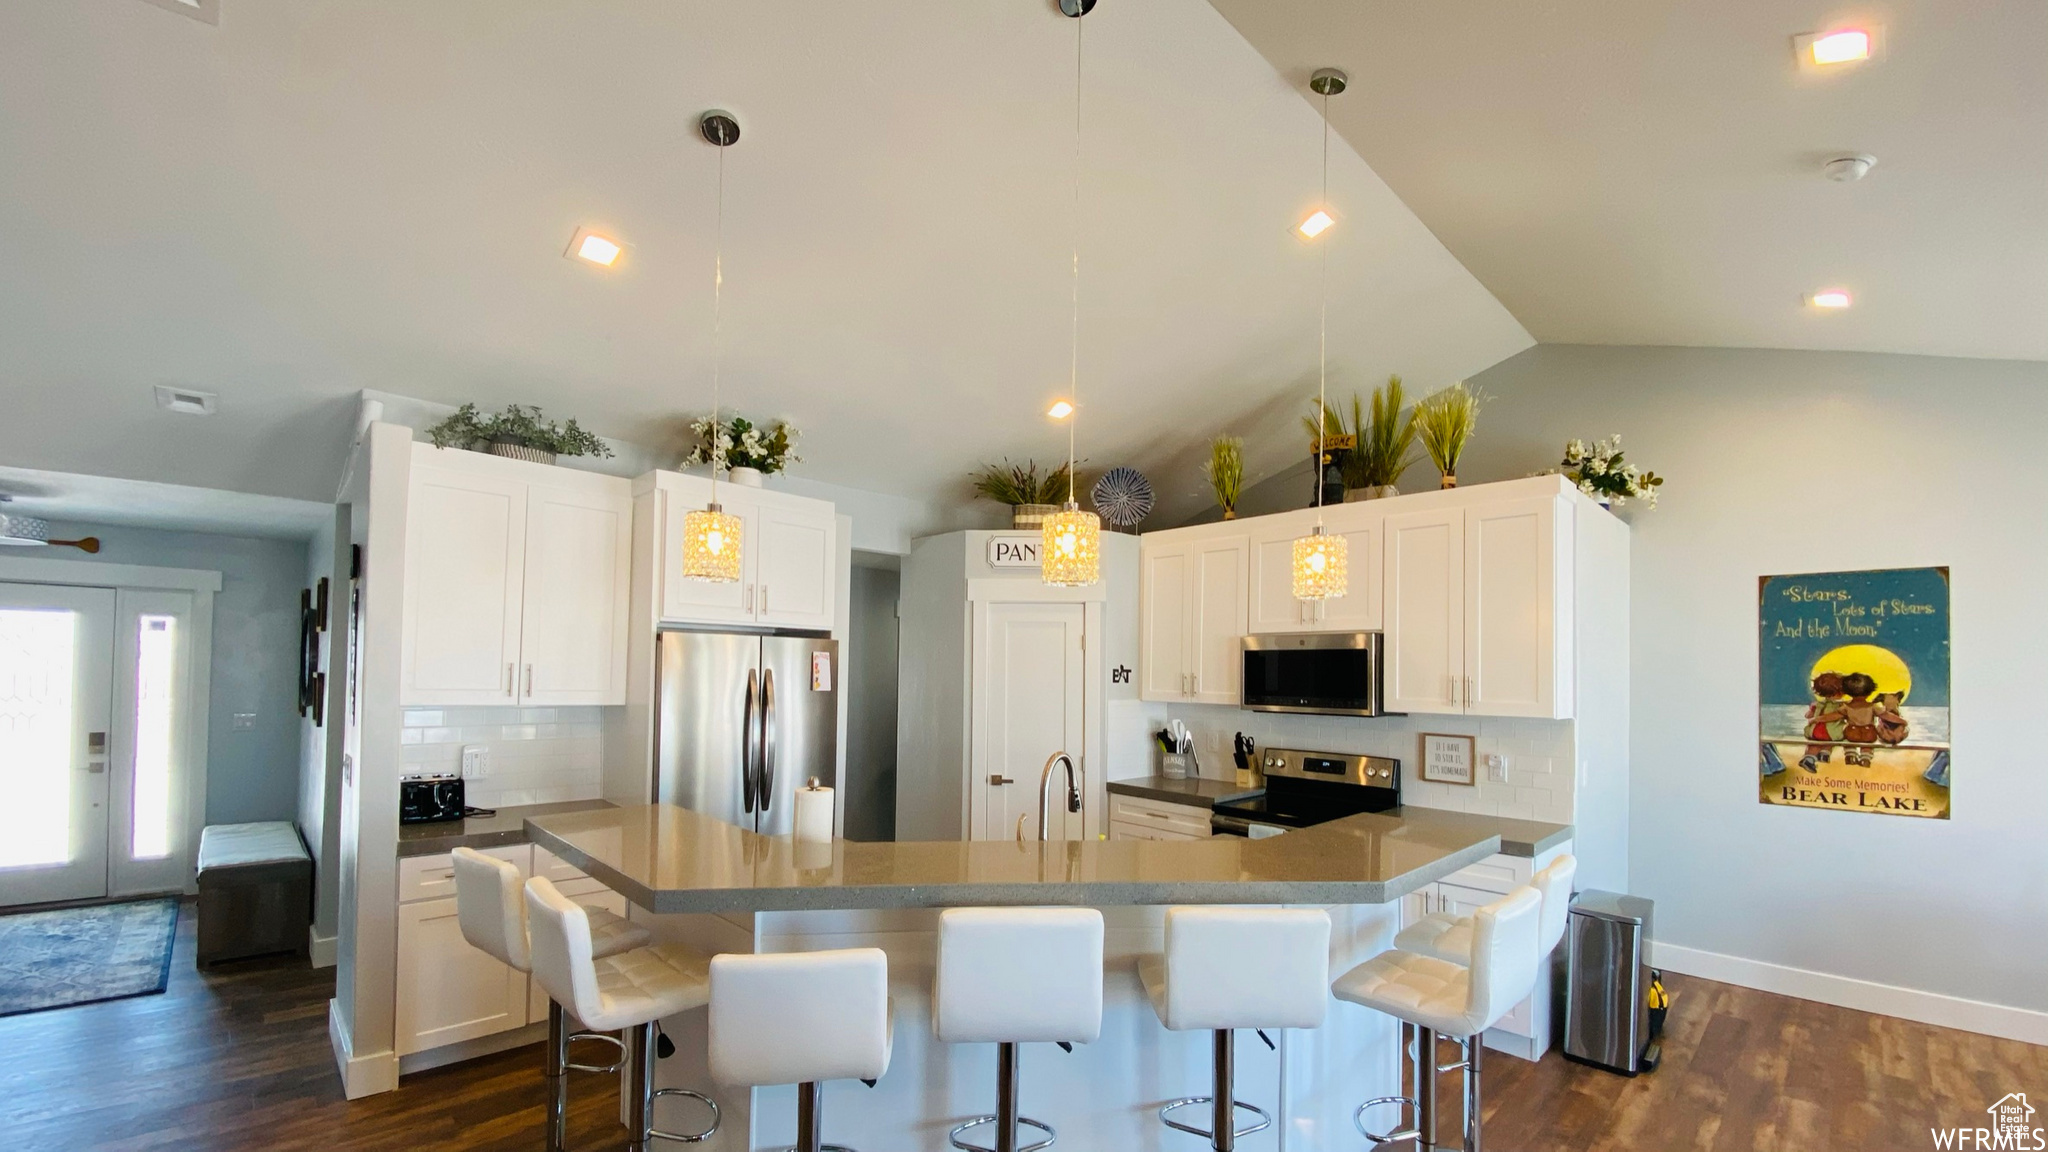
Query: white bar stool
{"type": "Point", "coordinates": [1230, 968]}
{"type": "Point", "coordinates": [1452, 1000]}
{"type": "Point", "coordinates": [801, 1018]}
{"type": "Point", "coordinates": [1010, 976]}
{"type": "Point", "coordinates": [626, 992]}
{"type": "Point", "coordinates": [1448, 936]}
{"type": "Point", "coordinates": [490, 904]}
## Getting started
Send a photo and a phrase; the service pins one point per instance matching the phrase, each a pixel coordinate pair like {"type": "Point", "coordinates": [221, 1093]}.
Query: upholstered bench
{"type": "Point", "coordinates": [255, 891]}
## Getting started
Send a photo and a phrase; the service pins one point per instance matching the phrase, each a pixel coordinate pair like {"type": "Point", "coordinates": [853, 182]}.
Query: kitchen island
{"type": "Point", "coordinates": [726, 889]}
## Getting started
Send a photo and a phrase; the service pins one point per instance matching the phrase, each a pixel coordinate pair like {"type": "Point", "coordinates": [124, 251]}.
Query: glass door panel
{"type": "Point", "coordinates": [151, 777]}
{"type": "Point", "coordinates": [56, 658]}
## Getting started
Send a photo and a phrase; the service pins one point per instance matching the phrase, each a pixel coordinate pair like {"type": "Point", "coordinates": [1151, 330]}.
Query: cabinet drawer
{"type": "Point", "coordinates": [433, 877]}
{"type": "Point", "coordinates": [1183, 818]}
{"type": "Point", "coordinates": [1498, 874]}
{"type": "Point", "coordinates": [1122, 830]}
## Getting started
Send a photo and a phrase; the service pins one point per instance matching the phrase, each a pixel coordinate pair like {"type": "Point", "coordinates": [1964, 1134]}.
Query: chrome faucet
{"type": "Point", "coordinates": [1075, 779]}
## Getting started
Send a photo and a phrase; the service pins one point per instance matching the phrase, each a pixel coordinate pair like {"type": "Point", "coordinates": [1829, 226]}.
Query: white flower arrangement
{"type": "Point", "coordinates": [1601, 472]}
{"type": "Point", "coordinates": [739, 443]}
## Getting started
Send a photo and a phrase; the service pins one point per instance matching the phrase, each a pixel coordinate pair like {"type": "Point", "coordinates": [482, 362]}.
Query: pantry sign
{"type": "Point", "coordinates": [1854, 687]}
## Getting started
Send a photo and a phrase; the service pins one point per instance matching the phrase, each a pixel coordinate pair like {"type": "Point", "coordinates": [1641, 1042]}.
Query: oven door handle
{"type": "Point", "coordinates": [1222, 825]}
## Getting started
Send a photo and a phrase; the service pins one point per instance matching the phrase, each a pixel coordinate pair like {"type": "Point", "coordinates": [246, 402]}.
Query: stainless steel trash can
{"type": "Point", "coordinates": [1607, 984]}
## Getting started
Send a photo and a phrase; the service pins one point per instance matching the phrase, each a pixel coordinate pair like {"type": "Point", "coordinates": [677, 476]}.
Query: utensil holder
{"type": "Point", "coordinates": [1175, 765]}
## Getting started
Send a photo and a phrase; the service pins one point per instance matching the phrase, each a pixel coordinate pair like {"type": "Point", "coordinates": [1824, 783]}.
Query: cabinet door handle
{"type": "Point", "coordinates": [750, 597]}
{"type": "Point", "coordinates": [529, 679]}
{"type": "Point", "coordinates": [508, 679]}
{"type": "Point", "coordinates": [1194, 683]}
{"type": "Point", "coordinates": [1454, 689]}
{"type": "Point", "coordinates": [764, 599]}
{"type": "Point", "coordinates": [1469, 693]}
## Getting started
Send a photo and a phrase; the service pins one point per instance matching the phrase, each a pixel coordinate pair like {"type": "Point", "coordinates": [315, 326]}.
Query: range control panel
{"type": "Point", "coordinates": [1367, 771]}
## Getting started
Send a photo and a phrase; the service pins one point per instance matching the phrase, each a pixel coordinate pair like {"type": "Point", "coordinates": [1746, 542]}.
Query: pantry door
{"type": "Point", "coordinates": [1027, 703]}
{"type": "Point", "coordinates": [56, 705]}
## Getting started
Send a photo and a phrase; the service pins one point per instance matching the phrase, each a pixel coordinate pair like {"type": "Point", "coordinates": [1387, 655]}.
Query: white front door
{"type": "Point", "coordinates": [56, 680]}
{"type": "Point", "coordinates": [1030, 688]}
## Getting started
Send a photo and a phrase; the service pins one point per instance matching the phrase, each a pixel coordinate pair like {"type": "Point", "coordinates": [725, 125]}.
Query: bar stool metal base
{"type": "Point", "coordinates": [1411, 1133]}
{"type": "Point", "coordinates": [1222, 1133]}
{"type": "Point", "coordinates": [953, 1136]}
{"type": "Point", "coordinates": [641, 1095]}
{"type": "Point", "coordinates": [1265, 1120]}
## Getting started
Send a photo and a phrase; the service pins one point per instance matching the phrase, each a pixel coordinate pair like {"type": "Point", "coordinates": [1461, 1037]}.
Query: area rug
{"type": "Point", "coordinates": [85, 955]}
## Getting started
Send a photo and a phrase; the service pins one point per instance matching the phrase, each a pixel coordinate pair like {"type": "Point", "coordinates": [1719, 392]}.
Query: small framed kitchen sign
{"type": "Point", "coordinates": [1014, 550]}
{"type": "Point", "coordinates": [1447, 759]}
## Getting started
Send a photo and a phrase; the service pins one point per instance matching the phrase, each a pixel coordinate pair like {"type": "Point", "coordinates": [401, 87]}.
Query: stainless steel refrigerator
{"type": "Point", "coordinates": [743, 720]}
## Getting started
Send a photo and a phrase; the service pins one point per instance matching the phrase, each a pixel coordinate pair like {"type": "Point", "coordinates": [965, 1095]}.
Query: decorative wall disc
{"type": "Point", "coordinates": [1124, 497]}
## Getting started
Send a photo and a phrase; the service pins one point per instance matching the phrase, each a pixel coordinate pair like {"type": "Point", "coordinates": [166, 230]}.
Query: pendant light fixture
{"type": "Point", "coordinates": [712, 537]}
{"type": "Point", "coordinates": [1070, 548]}
{"type": "Point", "coordinates": [1322, 562]}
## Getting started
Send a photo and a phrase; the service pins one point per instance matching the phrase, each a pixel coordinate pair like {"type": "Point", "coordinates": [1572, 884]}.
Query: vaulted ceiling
{"type": "Point", "coordinates": [1649, 171]}
{"type": "Point", "coordinates": [311, 199]}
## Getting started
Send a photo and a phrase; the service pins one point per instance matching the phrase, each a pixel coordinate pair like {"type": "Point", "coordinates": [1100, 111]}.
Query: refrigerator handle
{"type": "Point", "coordinates": [747, 746]}
{"type": "Point", "coordinates": [767, 758]}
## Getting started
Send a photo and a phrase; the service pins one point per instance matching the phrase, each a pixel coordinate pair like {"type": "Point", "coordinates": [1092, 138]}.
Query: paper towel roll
{"type": "Point", "coordinates": [814, 813]}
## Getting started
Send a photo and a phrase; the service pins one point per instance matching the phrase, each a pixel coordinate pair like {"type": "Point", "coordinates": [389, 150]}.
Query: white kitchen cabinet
{"type": "Point", "coordinates": [1273, 607]}
{"type": "Point", "coordinates": [465, 566]}
{"type": "Point", "coordinates": [788, 558]}
{"type": "Point", "coordinates": [1194, 606]}
{"type": "Point", "coordinates": [1136, 818]}
{"type": "Point", "coordinates": [515, 583]}
{"type": "Point", "coordinates": [1476, 613]}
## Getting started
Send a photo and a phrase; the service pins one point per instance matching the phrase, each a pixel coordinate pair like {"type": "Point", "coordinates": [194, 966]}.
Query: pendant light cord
{"type": "Point", "coordinates": [717, 322]}
{"type": "Point", "coordinates": [1323, 338]}
{"type": "Point", "coordinates": [1074, 364]}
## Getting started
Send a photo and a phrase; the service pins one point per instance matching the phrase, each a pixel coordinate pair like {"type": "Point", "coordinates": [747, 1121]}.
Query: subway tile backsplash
{"type": "Point", "coordinates": [535, 755]}
{"type": "Point", "coordinates": [1540, 782]}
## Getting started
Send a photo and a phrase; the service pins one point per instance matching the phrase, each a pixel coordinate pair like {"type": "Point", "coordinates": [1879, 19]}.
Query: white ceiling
{"type": "Point", "coordinates": [308, 200]}
{"type": "Point", "coordinates": [1648, 171]}
{"type": "Point", "coordinates": [169, 507]}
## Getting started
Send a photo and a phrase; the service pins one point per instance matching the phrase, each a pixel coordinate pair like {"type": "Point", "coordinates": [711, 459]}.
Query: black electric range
{"type": "Point", "coordinates": [1304, 789]}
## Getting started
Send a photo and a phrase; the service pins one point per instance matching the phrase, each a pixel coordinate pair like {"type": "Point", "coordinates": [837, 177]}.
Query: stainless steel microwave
{"type": "Point", "coordinates": [1326, 673]}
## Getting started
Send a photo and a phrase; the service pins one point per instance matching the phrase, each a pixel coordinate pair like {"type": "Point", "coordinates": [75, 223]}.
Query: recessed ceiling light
{"type": "Point", "coordinates": [1821, 51]}
{"type": "Point", "coordinates": [594, 247]}
{"type": "Point", "coordinates": [186, 401]}
{"type": "Point", "coordinates": [1829, 298]}
{"type": "Point", "coordinates": [1318, 222]}
{"type": "Point", "coordinates": [1060, 410]}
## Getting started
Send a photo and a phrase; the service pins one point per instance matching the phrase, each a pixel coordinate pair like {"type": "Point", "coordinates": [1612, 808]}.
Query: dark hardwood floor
{"type": "Point", "coordinates": [237, 1059]}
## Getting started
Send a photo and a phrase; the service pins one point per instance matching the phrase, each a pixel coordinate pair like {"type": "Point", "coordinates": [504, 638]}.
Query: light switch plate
{"type": "Point", "coordinates": [244, 722]}
{"type": "Point", "coordinates": [1496, 767]}
{"type": "Point", "coordinates": [476, 761]}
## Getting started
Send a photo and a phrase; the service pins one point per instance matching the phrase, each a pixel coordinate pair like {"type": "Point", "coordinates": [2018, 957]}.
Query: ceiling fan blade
{"type": "Point", "coordinates": [90, 544]}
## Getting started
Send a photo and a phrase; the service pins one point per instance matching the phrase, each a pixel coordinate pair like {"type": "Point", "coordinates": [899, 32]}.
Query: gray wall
{"type": "Point", "coordinates": [1783, 462]}
{"type": "Point", "coordinates": [871, 705]}
{"type": "Point", "coordinates": [320, 744]}
{"type": "Point", "coordinates": [251, 775]}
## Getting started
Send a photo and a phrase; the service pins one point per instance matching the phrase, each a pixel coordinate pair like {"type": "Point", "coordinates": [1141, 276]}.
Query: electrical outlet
{"type": "Point", "coordinates": [1496, 768]}
{"type": "Point", "coordinates": [244, 722]}
{"type": "Point", "coordinates": [476, 761]}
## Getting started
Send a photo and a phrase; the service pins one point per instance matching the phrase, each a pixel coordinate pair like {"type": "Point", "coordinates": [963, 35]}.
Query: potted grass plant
{"type": "Point", "coordinates": [1226, 472]}
{"type": "Point", "coordinates": [520, 432]}
{"type": "Point", "coordinates": [1385, 444]}
{"type": "Point", "coordinates": [1031, 496]}
{"type": "Point", "coordinates": [1445, 423]}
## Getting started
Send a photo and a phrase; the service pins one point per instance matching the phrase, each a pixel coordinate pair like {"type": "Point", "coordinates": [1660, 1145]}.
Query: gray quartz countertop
{"type": "Point", "coordinates": [1517, 837]}
{"type": "Point", "coordinates": [668, 859]}
{"type": "Point", "coordinates": [507, 827]}
{"type": "Point", "coordinates": [1196, 792]}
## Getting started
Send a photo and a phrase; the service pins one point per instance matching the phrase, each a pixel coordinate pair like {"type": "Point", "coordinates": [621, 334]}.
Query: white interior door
{"type": "Point", "coordinates": [464, 562]}
{"type": "Point", "coordinates": [1030, 684]}
{"type": "Point", "coordinates": [153, 802]}
{"type": "Point", "coordinates": [56, 676]}
{"type": "Point", "coordinates": [1425, 612]}
{"type": "Point", "coordinates": [572, 632]}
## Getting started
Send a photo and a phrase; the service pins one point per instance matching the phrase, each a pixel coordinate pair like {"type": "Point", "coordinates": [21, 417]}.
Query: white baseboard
{"type": "Point", "coordinates": [471, 1049]}
{"type": "Point", "coordinates": [1934, 1008]}
{"type": "Point", "coordinates": [323, 949]}
{"type": "Point", "coordinates": [360, 1075]}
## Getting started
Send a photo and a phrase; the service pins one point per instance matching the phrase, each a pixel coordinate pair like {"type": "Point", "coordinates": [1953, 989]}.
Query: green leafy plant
{"type": "Point", "coordinates": [519, 424]}
{"type": "Point", "coordinates": [1226, 472]}
{"type": "Point", "coordinates": [740, 443]}
{"type": "Point", "coordinates": [1600, 471]}
{"type": "Point", "coordinates": [1386, 439]}
{"type": "Point", "coordinates": [1445, 423]}
{"type": "Point", "coordinates": [1015, 484]}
